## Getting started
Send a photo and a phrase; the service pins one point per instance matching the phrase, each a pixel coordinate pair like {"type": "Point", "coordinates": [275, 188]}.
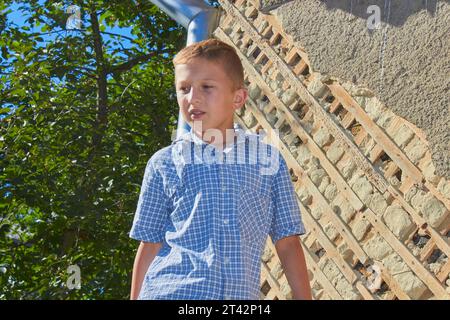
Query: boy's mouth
{"type": "Point", "coordinates": [196, 114]}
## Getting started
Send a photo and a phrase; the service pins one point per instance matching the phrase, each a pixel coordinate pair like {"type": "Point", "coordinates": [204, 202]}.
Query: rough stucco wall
{"type": "Point", "coordinates": [267, 5]}
{"type": "Point", "coordinates": [405, 62]}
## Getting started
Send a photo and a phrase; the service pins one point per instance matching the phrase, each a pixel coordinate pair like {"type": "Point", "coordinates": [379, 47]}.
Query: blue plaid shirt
{"type": "Point", "coordinates": [213, 210]}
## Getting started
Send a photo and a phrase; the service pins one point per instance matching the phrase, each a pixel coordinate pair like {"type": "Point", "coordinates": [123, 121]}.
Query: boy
{"type": "Point", "coordinates": [202, 221]}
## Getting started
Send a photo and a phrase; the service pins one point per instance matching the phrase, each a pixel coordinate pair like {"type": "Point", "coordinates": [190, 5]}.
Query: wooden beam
{"type": "Point", "coordinates": [416, 266]}
{"type": "Point", "coordinates": [376, 133]}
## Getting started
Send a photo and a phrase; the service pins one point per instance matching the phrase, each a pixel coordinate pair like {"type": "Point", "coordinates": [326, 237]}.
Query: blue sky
{"type": "Point", "coordinates": [17, 17]}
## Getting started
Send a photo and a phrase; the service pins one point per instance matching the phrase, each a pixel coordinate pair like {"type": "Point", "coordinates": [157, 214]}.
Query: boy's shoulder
{"type": "Point", "coordinates": [171, 154]}
{"type": "Point", "coordinates": [242, 136]}
{"type": "Point", "coordinates": [161, 157]}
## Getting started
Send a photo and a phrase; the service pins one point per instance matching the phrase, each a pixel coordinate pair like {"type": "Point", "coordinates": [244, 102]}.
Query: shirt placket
{"type": "Point", "coordinates": [217, 223]}
{"type": "Point", "coordinates": [230, 239]}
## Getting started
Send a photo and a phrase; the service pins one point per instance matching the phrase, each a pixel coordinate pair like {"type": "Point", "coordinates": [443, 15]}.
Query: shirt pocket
{"type": "Point", "coordinates": [185, 195]}
{"type": "Point", "coordinates": [253, 214]}
{"type": "Point", "coordinates": [173, 185]}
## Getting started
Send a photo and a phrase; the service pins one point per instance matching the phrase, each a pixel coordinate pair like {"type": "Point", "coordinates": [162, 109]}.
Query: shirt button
{"type": "Point", "coordinates": [224, 188]}
{"type": "Point", "coordinates": [225, 221]}
{"type": "Point", "coordinates": [226, 260]}
{"type": "Point", "coordinates": [227, 298]}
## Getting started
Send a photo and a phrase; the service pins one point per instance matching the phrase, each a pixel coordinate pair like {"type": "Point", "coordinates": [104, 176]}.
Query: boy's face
{"type": "Point", "coordinates": [205, 93]}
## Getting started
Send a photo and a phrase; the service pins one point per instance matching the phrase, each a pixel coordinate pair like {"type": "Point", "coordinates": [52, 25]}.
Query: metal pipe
{"type": "Point", "coordinates": [200, 20]}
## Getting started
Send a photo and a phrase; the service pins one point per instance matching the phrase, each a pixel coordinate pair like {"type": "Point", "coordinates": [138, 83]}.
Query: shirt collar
{"type": "Point", "coordinates": [191, 136]}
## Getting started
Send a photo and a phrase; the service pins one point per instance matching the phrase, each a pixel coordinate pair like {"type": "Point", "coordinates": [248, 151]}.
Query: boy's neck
{"type": "Point", "coordinates": [225, 138]}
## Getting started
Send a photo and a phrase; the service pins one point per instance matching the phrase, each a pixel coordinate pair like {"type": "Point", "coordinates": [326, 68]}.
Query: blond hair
{"type": "Point", "coordinates": [216, 51]}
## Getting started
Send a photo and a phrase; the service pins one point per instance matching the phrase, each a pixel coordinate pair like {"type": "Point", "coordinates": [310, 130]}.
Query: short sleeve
{"type": "Point", "coordinates": [286, 219]}
{"type": "Point", "coordinates": [152, 209]}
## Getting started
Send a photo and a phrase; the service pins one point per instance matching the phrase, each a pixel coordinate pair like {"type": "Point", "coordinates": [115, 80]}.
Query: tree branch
{"type": "Point", "coordinates": [130, 63]}
{"type": "Point", "coordinates": [117, 35]}
{"type": "Point", "coordinates": [102, 100]}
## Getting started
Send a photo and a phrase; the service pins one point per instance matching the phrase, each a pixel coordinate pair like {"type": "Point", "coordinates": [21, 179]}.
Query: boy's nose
{"type": "Point", "coordinates": [194, 95]}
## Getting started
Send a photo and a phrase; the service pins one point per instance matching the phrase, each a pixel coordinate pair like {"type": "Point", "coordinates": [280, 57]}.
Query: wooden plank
{"type": "Point", "coordinates": [252, 50]}
{"type": "Point", "coordinates": [427, 250]}
{"type": "Point", "coordinates": [269, 108]}
{"type": "Point", "coordinates": [310, 240]}
{"type": "Point", "coordinates": [389, 295]}
{"type": "Point", "coordinates": [437, 194]}
{"type": "Point", "coordinates": [444, 272]}
{"type": "Point", "coordinates": [300, 67]}
{"type": "Point", "coordinates": [416, 266]}
{"type": "Point", "coordinates": [239, 3]}
{"type": "Point", "coordinates": [348, 120]}
{"type": "Point", "coordinates": [375, 154]}
{"type": "Point", "coordinates": [318, 273]}
{"type": "Point", "coordinates": [272, 20]}
{"type": "Point", "coordinates": [266, 67]}
{"type": "Point", "coordinates": [376, 133]}
{"type": "Point", "coordinates": [291, 55]}
{"type": "Point", "coordinates": [267, 30]}
{"type": "Point", "coordinates": [392, 284]}
{"type": "Point", "coordinates": [245, 39]}
{"type": "Point", "coordinates": [391, 169]}
{"type": "Point", "coordinates": [274, 284]}
{"type": "Point", "coordinates": [327, 244]}
{"type": "Point", "coordinates": [333, 253]}
{"type": "Point", "coordinates": [419, 132]}
{"type": "Point", "coordinates": [423, 163]}
{"type": "Point", "coordinates": [260, 57]}
{"type": "Point", "coordinates": [406, 184]}
{"type": "Point", "coordinates": [276, 37]}
{"type": "Point", "coordinates": [226, 20]}
{"type": "Point", "coordinates": [420, 221]}
{"type": "Point", "coordinates": [334, 105]}
{"type": "Point", "coordinates": [362, 134]}
{"type": "Point", "coordinates": [250, 11]}
{"type": "Point", "coordinates": [367, 295]}
{"type": "Point", "coordinates": [309, 114]}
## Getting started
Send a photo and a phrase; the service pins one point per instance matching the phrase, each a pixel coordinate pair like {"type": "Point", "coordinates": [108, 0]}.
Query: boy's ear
{"type": "Point", "coordinates": [240, 96]}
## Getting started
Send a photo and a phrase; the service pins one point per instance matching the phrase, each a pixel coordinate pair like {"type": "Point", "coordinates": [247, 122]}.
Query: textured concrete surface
{"type": "Point", "coordinates": [405, 62]}
{"type": "Point", "coordinates": [267, 5]}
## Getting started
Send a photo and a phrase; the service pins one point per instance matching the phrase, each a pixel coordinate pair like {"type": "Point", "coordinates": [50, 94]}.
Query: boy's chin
{"type": "Point", "coordinates": [204, 126]}
{"type": "Point", "coordinates": [200, 125]}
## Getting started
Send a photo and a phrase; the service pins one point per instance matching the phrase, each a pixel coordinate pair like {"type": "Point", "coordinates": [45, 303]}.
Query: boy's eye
{"type": "Point", "coordinates": [187, 89]}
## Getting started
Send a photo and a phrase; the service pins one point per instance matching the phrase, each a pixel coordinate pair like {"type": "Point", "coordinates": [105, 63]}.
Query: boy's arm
{"type": "Point", "coordinates": [144, 257]}
{"type": "Point", "coordinates": [292, 259]}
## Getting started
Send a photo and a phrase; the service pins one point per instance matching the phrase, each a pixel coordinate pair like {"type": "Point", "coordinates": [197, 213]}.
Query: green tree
{"type": "Point", "coordinates": [81, 113]}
